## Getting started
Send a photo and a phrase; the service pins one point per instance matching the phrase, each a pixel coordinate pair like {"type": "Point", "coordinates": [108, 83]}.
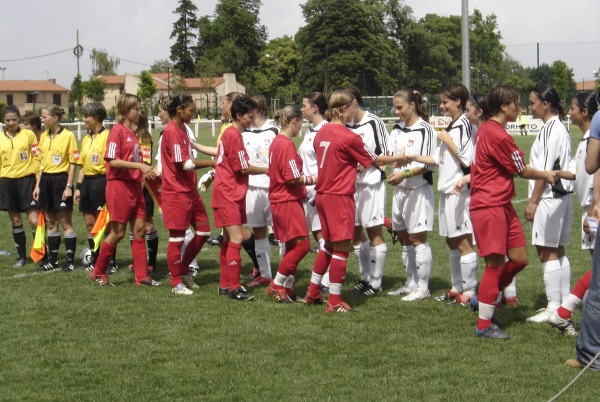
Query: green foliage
{"type": "Point", "coordinates": [76, 93]}
{"type": "Point", "coordinates": [2, 106]}
{"type": "Point", "coordinates": [278, 70]}
{"type": "Point", "coordinates": [161, 66]}
{"type": "Point", "coordinates": [557, 75]}
{"type": "Point", "coordinates": [102, 63]}
{"type": "Point", "coordinates": [146, 90]}
{"type": "Point", "coordinates": [185, 33]}
{"type": "Point", "coordinates": [94, 89]}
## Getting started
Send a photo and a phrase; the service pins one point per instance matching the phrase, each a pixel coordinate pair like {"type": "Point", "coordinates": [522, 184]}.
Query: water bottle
{"type": "Point", "coordinates": [2, 252]}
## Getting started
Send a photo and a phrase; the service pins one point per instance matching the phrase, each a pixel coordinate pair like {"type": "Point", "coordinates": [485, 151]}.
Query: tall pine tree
{"type": "Point", "coordinates": [185, 34]}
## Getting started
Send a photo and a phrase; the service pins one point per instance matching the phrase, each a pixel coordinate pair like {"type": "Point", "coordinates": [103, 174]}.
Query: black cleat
{"type": "Point", "coordinates": [241, 294]}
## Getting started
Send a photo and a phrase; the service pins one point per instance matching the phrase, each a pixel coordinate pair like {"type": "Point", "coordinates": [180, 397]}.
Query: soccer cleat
{"type": "Point", "coordinates": [21, 262]}
{"type": "Point", "coordinates": [223, 292]}
{"type": "Point", "coordinates": [324, 290]}
{"type": "Point", "coordinates": [101, 280]}
{"type": "Point", "coordinates": [340, 308]}
{"type": "Point", "coordinates": [181, 290]}
{"type": "Point", "coordinates": [193, 271]}
{"type": "Point", "coordinates": [69, 267]}
{"type": "Point", "coordinates": [215, 241]}
{"type": "Point", "coordinates": [260, 281]}
{"type": "Point", "coordinates": [188, 282]}
{"type": "Point", "coordinates": [416, 295]}
{"type": "Point", "coordinates": [449, 295]}
{"type": "Point", "coordinates": [253, 275]}
{"type": "Point", "coordinates": [573, 363]}
{"type": "Point", "coordinates": [291, 295]}
{"type": "Point", "coordinates": [360, 286]}
{"type": "Point", "coordinates": [308, 299]}
{"type": "Point", "coordinates": [147, 281]}
{"type": "Point", "coordinates": [565, 326]}
{"type": "Point", "coordinates": [272, 240]}
{"type": "Point", "coordinates": [461, 300]}
{"type": "Point", "coordinates": [47, 267]}
{"type": "Point", "coordinates": [112, 267]}
{"type": "Point", "coordinates": [370, 292]}
{"type": "Point", "coordinates": [541, 316]}
{"type": "Point", "coordinates": [89, 267]}
{"type": "Point", "coordinates": [402, 290]}
{"type": "Point", "coordinates": [280, 295]}
{"type": "Point", "coordinates": [241, 294]}
{"type": "Point", "coordinates": [492, 332]}
{"type": "Point", "coordinates": [510, 301]}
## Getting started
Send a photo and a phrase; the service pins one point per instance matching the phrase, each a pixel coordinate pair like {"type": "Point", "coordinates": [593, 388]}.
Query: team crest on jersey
{"type": "Point", "coordinates": [56, 159]}
{"type": "Point", "coordinates": [76, 155]}
{"type": "Point", "coordinates": [23, 156]}
{"type": "Point", "coordinates": [95, 159]}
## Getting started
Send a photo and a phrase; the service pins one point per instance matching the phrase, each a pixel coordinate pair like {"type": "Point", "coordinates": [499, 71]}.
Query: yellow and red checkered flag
{"type": "Point", "coordinates": [154, 188]}
{"type": "Point", "coordinates": [100, 227]}
{"type": "Point", "coordinates": [38, 248]}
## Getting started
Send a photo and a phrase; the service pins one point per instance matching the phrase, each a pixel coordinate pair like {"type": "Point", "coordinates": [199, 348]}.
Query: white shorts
{"type": "Point", "coordinates": [370, 204]}
{"type": "Point", "coordinates": [312, 218]}
{"type": "Point", "coordinates": [412, 209]}
{"type": "Point", "coordinates": [258, 208]}
{"type": "Point", "coordinates": [552, 222]}
{"type": "Point", "coordinates": [587, 241]}
{"type": "Point", "coordinates": [454, 215]}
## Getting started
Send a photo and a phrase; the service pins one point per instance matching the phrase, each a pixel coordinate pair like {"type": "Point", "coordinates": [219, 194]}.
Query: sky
{"type": "Point", "coordinates": [138, 32]}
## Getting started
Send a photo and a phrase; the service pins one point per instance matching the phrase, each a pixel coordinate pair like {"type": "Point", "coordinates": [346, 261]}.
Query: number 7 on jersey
{"type": "Point", "coordinates": [323, 144]}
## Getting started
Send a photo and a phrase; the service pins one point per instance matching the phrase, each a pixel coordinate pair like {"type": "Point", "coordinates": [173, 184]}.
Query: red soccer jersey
{"type": "Point", "coordinates": [231, 184]}
{"type": "Point", "coordinates": [123, 144]}
{"type": "Point", "coordinates": [175, 149]}
{"type": "Point", "coordinates": [339, 151]}
{"type": "Point", "coordinates": [497, 160]}
{"type": "Point", "coordinates": [284, 164]}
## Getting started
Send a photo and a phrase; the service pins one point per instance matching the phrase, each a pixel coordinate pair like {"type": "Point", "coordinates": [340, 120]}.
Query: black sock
{"type": "Point", "coordinates": [20, 240]}
{"type": "Point", "coordinates": [250, 249]}
{"type": "Point", "coordinates": [91, 245]}
{"type": "Point", "coordinates": [70, 245]}
{"type": "Point", "coordinates": [152, 246]}
{"type": "Point", "coordinates": [54, 241]}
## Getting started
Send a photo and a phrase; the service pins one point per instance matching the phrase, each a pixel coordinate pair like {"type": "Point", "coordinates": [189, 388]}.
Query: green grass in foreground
{"type": "Point", "coordinates": [63, 338]}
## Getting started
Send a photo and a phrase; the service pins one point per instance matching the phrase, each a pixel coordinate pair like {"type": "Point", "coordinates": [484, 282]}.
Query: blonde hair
{"type": "Point", "coordinates": [55, 111]}
{"type": "Point", "coordinates": [125, 103]}
{"type": "Point", "coordinates": [142, 132]}
{"type": "Point", "coordinates": [164, 103]}
{"type": "Point", "coordinates": [338, 104]}
{"type": "Point", "coordinates": [284, 116]}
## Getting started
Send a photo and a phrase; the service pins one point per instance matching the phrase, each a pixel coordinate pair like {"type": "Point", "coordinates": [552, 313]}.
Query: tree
{"type": "Point", "coordinates": [146, 89]}
{"type": "Point", "coordinates": [184, 32]}
{"type": "Point", "coordinates": [277, 74]}
{"type": "Point", "coordinates": [76, 93]}
{"type": "Point", "coordinates": [94, 89]}
{"type": "Point", "coordinates": [102, 63]}
{"type": "Point", "coordinates": [161, 66]}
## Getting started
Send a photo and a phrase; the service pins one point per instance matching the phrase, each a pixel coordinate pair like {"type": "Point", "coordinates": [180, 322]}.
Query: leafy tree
{"type": "Point", "coordinates": [563, 76]}
{"type": "Point", "coordinates": [146, 89]}
{"type": "Point", "coordinates": [597, 77]}
{"type": "Point", "coordinates": [161, 66]}
{"type": "Point", "coordinates": [487, 52]}
{"type": "Point", "coordinates": [76, 93]}
{"type": "Point", "coordinates": [94, 89]}
{"type": "Point", "coordinates": [278, 70]}
{"type": "Point", "coordinates": [184, 32]}
{"type": "Point", "coordinates": [102, 63]}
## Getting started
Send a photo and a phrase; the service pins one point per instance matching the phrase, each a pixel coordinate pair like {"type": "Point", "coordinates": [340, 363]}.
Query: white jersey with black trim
{"type": "Point", "coordinates": [551, 150]}
{"type": "Point", "coordinates": [584, 182]}
{"type": "Point", "coordinates": [306, 150]}
{"type": "Point", "coordinates": [418, 139]}
{"type": "Point", "coordinates": [374, 134]}
{"type": "Point", "coordinates": [257, 142]}
{"type": "Point", "coordinates": [190, 135]}
{"type": "Point", "coordinates": [462, 132]}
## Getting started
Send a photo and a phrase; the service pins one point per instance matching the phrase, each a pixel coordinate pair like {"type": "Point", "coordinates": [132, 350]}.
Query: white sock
{"type": "Point", "coordinates": [289, 282]}
{"type": "Point", "coordinates": [279, 279]}
{"type": "Point", "coordinates": [189, 235]}
{"type": "Point", "coordinates": [455, 270]}
{"type": "Point", "coordinates": [468, 269]}
{"type": "Point", "coordinates": [565, 277]}
{"type": "Point", "coordinates": [325, 280]}
{"type": "Point", "coordinates": [511, 290]}
{"type": "Point", "coordinates": [486, 311]}
{"type": "Point", "coordinates": [321, 244]}
{"type": "Point", "coordinates": [335, 288]}
{"type": "Point", "coordinates": [552, 280]}
{"type": "Point", "coordinates": [262, 249]}
{"type": "Point", "coordinates": [423, 260]}
{"type": "Point", "coordinates": [281, 249]}
{"type": "Point", "coordinates": [412, 278]}
{"type": "Point", "coordinates": [316, 278]}
{"type": "Point", "coordinates": [380, 254]}
{"type": "Point", "coordinates": [363, 256]}
{"type": "Point", "coordinates": [571, 302]}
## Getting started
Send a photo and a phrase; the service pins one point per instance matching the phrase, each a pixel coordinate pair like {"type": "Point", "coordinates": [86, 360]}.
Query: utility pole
{"type": "Point", "coordinates": [78, 52]}
{"type": "Point", "coordinates": [466, 60]}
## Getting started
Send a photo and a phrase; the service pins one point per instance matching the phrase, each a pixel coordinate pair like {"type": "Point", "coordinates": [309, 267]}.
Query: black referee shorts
{"type": "Point", "coordinates": [17, 194]}
{"type": "Point", "coordinates": [92, 193]}
{"type": "Point", "coordinates": [52, 186]}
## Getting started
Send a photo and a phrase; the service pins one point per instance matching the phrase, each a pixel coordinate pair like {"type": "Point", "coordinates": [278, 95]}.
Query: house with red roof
{"type": "Point", "coordinates": [33, 94]}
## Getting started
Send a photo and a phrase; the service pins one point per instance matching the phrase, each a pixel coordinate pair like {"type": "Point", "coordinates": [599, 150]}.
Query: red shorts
{"type": "Point", "coordinates": [125, 201]}
{"type": "Point", "coordinates": [180, 214]}
{"type": "Point", "coordinates": [229, 216]}
{"type": "Point", "coordinates": [288, 220]}
{"type": "Point", "coordinates": [336, 213]}
{"type": "Point", "coordinates": [497, 230]}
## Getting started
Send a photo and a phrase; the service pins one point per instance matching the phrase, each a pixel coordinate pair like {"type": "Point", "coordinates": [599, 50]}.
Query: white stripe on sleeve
{"type": "Point", "coordinates": [112, 150]}
{"type": "Point", "coordinates": [242, 155]}
{"type": "Point", "coordinates": [519, 163]}
{"type": "Point", "coordinates": [177, 153]}
{"type": "Point", "coordinates": [294, 168]}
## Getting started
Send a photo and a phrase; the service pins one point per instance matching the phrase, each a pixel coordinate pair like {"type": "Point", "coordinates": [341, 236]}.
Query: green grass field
{"type": "Point", "coordinates": [63, 338]}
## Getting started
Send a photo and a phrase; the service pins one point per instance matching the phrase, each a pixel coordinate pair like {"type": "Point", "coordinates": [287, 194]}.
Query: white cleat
{"type": "Point", "coordinates": [181, 290]}
{"type": "Point", "coordinates": [541, 316]}
{"type": "Point", "coordinates": [403, 290]}
{"type": "Point", "coordinates": [416, 295]}
{"type": "Point", "coordinates": [565, 326]}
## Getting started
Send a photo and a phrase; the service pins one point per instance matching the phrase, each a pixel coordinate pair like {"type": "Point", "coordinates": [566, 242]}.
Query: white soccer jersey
{"type": "Point", "coordinates": [257, 142]}
{"type": "Point", "coordinates": [307, 151]}
{"type": "Point", "coordinates": [194, 153]}
{"type": "Point", "coordinates": [418, 139]}
{"type": "Point", "coordinates": [462, 132]}
{"type": "Point", "coordinates": [551, 150]}
{"type": "Point", "coordinates": [373, 132]}
{"type": "Point", "coordinates": [584, 183]}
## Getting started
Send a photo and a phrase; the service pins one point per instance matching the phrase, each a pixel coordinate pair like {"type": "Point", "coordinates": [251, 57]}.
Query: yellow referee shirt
{"type": "Point", "coordinates": [17, 154]}
{"type": "Point", "coordinates": [224, 127]}
{"type": "Point", "coordinates": [146, 152]}
{"type": "Point", "coordinates": [56, 154]}
{"type": "Point", "coordinates": [92, 153]}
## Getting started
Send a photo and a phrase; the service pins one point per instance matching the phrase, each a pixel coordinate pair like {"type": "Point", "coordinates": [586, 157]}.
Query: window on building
{"type": "Point", "coordinates": [56, 99]}
{"type": "Point", "coordinates": [32, 98]}
{"type": "Point", "coordinates": [9, 99]}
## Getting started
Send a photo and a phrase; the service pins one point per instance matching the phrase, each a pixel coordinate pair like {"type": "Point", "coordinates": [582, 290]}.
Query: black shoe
{"type": "Point", "coordinates": [360, 287]}
{"type": "Point", "coordinates": [223, 291]}
{"type": "Point", "coordinates": [393, 234]}
{"type": "Point", "coordinates": [69, 267]}
{"type": "Point", "coordinates": [272, 240]}
{"type": "Point", "coordinates": [370, 292]}
{"type": "Point", "coordinates": [215, 241]}
{"type": "Point", "coordinates": [112, 267]}
{"type": "Point", "coordinates": [241, 294]}
{"type": "Point", "coordinates": [324, 290]}
{"type": "Point", "coordinates": [21, 262]}
{"type": "Point", "coordinates": [47, 267]}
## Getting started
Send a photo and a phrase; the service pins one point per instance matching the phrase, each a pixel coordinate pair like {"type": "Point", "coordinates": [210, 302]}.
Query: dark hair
{"type": "Point", "coordinates": [142, 132]}
{"type": "Point", "coordinates": [177, 101]}
{"type": "Point", "coordinates": [241, 106]}
{"type": "Point", "coordinates": [163, 103]}
{"type": "Point", "coordinates": [319, 100]}
{"type": "Point", "coordinates": [414, 96]}
{"type": "Point", "coordinates": [55, 111]}
{"type": "Point", "coordinates": [549, 94]}
{"type": "Point", "coordinates": [261, 103]}
{"type": "Point", "coordinates": [33, 119]}
{"type": "Point", "coordinates": [233, 96]}
{"type": "Point", "coordinates": [11, 109]}
{"type": "Point", "coordinates": [500, 96]}
{"type": "Point", "coordinates": [284, 116]}
{"type": "Point", "coordinates": [589, 101]}
{"type": "Point", "coordinates": [356, 93]}
{"type": "Point", "coordinates": [457, 92]}
{"type": "Point", "coordinates": [95, 110]}
{"type": "Point", "coordinates": [481, 102]}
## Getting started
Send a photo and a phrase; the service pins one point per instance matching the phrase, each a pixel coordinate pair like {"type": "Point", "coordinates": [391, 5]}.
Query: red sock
{"type": "Point", "coordinates": [294, 253]}
{"type": "Point", "coordinates": [224, 274]}
{"type": "Point", "coordinates": [174, 260]}
{"type": "Point", "coordinates": [483, 324]}
{"type": "Point", "coordinates": [138, 252]}
{"type": "Point", "coordinates": [234, 262]}
{"type": "Point", "coordinates": [321, 264]}
{"type": "Point", "coordinates": [510, 270]}
{"type": "Point", "coordinates": [106, 253]}
{"type": "Point", "coordinates": [563, 313]}
{"type": "Point", "coordinates": [191, 251]}
{"type": "Point", "coordinates": [489, 284]}
{"type": "Point", "coordinates": [582, 285]}
{"type": "Point", "coordinates": [337, 273]}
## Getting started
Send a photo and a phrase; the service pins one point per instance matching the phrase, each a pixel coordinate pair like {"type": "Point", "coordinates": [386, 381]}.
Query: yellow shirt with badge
{"type": "Point", "coordinates": [146, 148]}
{"type": "Point", "coordinates": [17, 154]}
{"type": "Point", "coordinates": [57, 153]}
{"type": "Point", "coordinates": [92, 154]}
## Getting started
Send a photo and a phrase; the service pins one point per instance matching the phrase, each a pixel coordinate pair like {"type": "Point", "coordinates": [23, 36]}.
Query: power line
{"type": "Point", "coordinates": [553, 43]}
{"type": "Point", "coordinates": [128, 61]}
{"type": "Point", "coordinates": [37, 57]}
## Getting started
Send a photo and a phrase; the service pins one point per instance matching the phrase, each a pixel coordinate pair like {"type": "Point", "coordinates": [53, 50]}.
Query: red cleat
{"type": "Point", "coordinates": [340, 308]}
{"type": "Point", "coordinates": [259, 281]}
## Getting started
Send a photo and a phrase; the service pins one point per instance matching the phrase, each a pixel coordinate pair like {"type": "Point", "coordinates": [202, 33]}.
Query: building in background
{"type": "Point", "coordinates": [33, 95]}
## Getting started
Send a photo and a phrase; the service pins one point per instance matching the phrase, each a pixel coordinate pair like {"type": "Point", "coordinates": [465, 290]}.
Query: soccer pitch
{"type": "Point", "coordinates": [64, 338]}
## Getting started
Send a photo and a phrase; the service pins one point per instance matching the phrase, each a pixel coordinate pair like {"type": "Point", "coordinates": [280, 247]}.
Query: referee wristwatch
{"type": "Point", "coordinates": [70, 186]}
